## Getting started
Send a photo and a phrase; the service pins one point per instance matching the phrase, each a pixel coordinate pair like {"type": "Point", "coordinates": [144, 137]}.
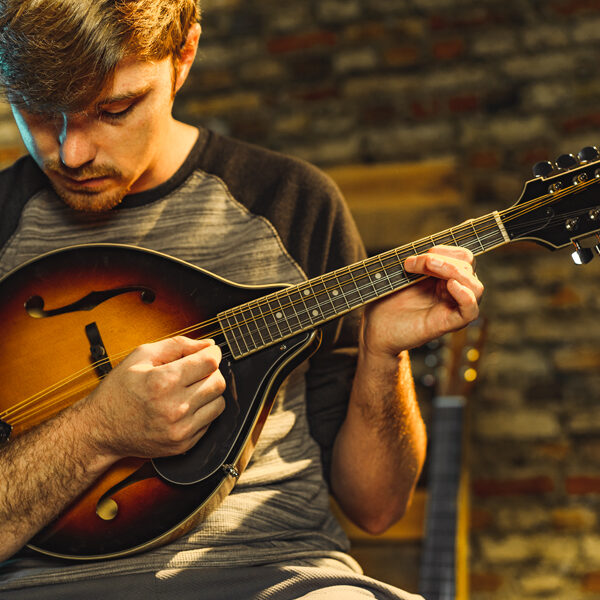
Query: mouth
{"type": "Point", "coordinates": [88, 183]}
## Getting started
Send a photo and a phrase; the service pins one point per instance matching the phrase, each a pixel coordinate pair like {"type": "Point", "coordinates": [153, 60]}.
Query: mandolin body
{"type": "Point", "coordinates": [68, 318]}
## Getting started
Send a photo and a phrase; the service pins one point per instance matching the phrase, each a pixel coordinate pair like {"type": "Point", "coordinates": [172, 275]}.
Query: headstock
{"type": "Point", "coordinates": [561, 206]}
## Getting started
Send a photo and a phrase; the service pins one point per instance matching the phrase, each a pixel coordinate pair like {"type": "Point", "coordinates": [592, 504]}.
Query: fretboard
{"type": "Point", "coordinates": [438, 573]}
{"type": "Point", "coordinates": [287, 312]}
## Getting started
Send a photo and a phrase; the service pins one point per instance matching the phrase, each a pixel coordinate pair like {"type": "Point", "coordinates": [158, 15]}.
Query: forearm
{"type": "Point", "coordinates": [42, 471]}
{"type": "Point", "coordinates": [380, 449]}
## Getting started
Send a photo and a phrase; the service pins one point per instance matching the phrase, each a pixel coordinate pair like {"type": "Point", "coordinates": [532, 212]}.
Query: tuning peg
{"type": "Point", "coordinates": [588, 154]}
{"type": "Point", "coordinates": [543, 169]}
{"type": "Point", "coordinates": [566, 161]}
{"type": "Point", "coordinates": [581, 256]}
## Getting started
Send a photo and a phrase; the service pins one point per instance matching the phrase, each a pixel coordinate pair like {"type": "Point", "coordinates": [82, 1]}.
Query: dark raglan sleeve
{"type": "Point", "coordinates": [18, 184]}
{"type": "Point", "coordinates": [316, 227]}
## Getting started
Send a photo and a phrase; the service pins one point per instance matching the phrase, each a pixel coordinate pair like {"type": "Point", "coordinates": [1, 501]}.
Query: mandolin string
{"type": "Point", "coordinates": [90, 369]}
{"type": "Point", "coordinates": [517, 211]}
{"type": "Point", "coordinates": [58, 400]}
{"type": "Point", "coordinates": [114, 357]}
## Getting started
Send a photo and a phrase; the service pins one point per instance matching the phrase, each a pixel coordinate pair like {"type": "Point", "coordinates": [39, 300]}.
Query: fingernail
{"type": "Point", "coordinates": [410, 262]}
{"type": "Point", "coordinates": [436, 262]}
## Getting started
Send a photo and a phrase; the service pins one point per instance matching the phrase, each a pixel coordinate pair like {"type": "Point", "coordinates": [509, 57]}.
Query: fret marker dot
{"type": "Point", "coordinates": [377, 275]}
{"type": "Point", "coordinates": [335, 292]}
{"type": "Point", "coordinates": [315, 313]}
{"type": "Point", "coordinates": [307, 292]}
{"type": "Point", "coordinates": [279, 315]}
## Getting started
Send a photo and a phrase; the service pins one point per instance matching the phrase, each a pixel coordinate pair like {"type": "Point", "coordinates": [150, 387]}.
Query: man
{"type": "Point", "coordinates": [91, 85]}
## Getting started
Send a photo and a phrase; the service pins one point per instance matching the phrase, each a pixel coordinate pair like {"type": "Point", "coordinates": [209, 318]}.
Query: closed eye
{"type": "Point", "coordinates": [116, 115]}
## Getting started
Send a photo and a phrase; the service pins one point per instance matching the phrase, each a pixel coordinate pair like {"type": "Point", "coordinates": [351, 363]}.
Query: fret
{"type": "Point", "coordinates": [445, 238]}
{"type": "Point", "coordinates": [494, 235]}
{"type": "Point", "coordinates": [472, 223]}
{"type": "Point", "coordinates": [397, 275]}
{"type": "Point", "coordinates": [258, 319]}
{"type": "Point", "coordinates": [350, 290]}
{"type": "Point", "coordinates": [451, 231]}
{"type": "Point", "coordinates": [324, 303]}
{"type": "Point", "coordinates": [301, 309]}
{"type": "Point", "coordinates": [340, 287]}
{"type": "Point", "coordinates": [366, 288]}
{"type": "Point", "coordinates": [385, 278]}
{"type": "Point", "coordinates": [249, 323]}
{"type": "Point", "coordinates": [229, 330]}
{"type": "Point", "coordinates": [313, 309]}
{"type": "Point", "coordinates": [243, 329]}
{"type": "Point", "coordinates": [351, 271]}
{"type": "Point", "coordinates": [276, 317]}
{"type": "Point", "coordinates": [380, 284]}
{"type": "Point", "coordinates": [339, 303]}
{"type": "Point", "coordinates": [289, 311]}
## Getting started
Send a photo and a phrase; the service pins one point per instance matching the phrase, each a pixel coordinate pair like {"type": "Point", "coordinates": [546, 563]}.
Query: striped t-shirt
{"type": "Point", "coordinates": [253, 217]}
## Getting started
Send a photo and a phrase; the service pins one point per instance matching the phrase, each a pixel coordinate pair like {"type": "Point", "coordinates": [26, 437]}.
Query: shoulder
{"type": "Point", "coordinates": [18, 184]}
{"type": "Point", "coordinates": [301, 201]}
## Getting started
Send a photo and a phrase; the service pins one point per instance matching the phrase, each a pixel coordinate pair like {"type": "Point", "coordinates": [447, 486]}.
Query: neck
{"type": "Point", "coordinates": [282, 314]}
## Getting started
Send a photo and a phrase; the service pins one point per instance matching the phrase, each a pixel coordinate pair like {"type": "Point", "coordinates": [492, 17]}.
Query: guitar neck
{"type": "Point", "coordinates": [274, 318]}
{"type": "Point", "coordinates": [440, 563]}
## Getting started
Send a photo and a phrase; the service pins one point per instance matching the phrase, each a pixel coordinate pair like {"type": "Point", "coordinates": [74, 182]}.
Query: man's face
{"type": "Point", "coordinates": [118, 145]}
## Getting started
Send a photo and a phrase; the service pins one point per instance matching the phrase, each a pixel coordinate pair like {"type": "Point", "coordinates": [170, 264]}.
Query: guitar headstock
{"type": "Point", "coordinates": [561, 206]}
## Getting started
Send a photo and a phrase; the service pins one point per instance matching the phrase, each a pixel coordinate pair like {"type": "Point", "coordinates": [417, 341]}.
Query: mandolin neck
{"type": "Point", "coordinates": [282, 314]}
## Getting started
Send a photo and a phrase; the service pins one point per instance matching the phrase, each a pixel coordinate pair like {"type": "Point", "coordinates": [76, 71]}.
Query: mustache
{"type": "Point", "coordinates": [83, 172]}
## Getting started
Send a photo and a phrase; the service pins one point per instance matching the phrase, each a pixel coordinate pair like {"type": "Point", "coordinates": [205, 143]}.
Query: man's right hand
{"type": "Point", "coordinates": [160, 400]}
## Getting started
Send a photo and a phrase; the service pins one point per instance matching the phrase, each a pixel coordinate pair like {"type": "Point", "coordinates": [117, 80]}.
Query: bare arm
{"type": "Point", "coordinates": [159, 401]}
{"type": "Point", "coordinates": [380, 448]}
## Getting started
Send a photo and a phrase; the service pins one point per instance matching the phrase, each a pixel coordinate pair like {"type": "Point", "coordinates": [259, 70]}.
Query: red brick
{"type": "Point", "coordinates": [365, 32]}
{"type": "Point", "coordinates": [513, 487]}
{"type": "Point", "coordinates": [580, 123]}
{"type": "Point", "coordinates": [374, 115]}
{"type": "Point", "coordinates": [566, 297]}
{"type": "Point", "coordinates": [572, 7]}
{"type": "Point", "coordinates": [425, 109]}
{"type": "Point", "coordinates": [448, 49]}
{"type": "Point", "coordinates": [591, 582]}
{"type": "Point", "coordinates": [464, 103]}
{"type": "Point", "coordinates": [557, 451]}
{"type": "Point", "coordinates": [485, 159]}
{"type": "Point", "coordinates": [317, 94]}
{"type": "Point", "coordinates": [531, 156]}
{"type": "Point", "coordinates": [479, 519]}
{"type": "Point", "coordinates": [583, 484]}
{"type": "Point", "coordinates": [470, 20]}
{"type": "Point", "coordinates": [400, 56]}
{"type": "Point", "coordinates": [303, 41]}
{"type": "Point", "coordinates": [484, 582]}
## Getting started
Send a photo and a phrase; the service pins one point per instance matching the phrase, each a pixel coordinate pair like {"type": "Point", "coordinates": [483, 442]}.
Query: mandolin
{"type": "Point", "coordinates": [80, 310]}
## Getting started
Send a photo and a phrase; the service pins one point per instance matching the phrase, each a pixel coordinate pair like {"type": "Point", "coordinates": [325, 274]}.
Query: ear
{"type": "Point", "coordinates": [188, 54]}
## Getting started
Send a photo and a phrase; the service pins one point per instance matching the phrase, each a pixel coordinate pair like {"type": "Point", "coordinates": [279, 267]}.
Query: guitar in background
{"type": "Point", "coordinates": [444, 560]}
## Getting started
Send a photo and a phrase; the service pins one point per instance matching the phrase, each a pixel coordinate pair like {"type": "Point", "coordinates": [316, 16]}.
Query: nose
{"type": "Point", "coordinates": [77, 147]}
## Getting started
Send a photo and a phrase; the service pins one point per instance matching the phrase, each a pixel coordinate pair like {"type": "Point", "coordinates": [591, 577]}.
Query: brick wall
{"type": "Point", "coordinates": [496, 85]}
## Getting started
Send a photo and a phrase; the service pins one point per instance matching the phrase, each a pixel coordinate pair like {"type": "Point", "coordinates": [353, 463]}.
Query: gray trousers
{"type": "Point", "coordinates": [247, 583]}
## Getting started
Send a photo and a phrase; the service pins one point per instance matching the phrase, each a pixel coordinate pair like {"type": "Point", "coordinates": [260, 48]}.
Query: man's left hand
{"type": "Point", "coordinates": [446, 300]}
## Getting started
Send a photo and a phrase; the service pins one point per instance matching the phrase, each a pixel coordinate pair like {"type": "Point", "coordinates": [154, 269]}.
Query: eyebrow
{"type": "Point", "coordinates": [125, 96]}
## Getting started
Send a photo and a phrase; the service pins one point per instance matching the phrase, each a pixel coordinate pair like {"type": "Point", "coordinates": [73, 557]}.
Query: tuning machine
{"type": "Point", "coordinates": [582, 255]}
{"type": "Point", "coordinates": [566, 161]}
{"type": "Point", "coordinates": [588, 154]}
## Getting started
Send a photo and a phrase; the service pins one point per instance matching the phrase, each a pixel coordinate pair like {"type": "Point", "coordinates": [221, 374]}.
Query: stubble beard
{"type": "Point", "coordinates": [87, 201]}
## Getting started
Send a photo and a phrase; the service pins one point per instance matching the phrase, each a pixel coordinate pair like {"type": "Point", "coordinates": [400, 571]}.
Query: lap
{"type": "Point", "coordinates": [246, 583]}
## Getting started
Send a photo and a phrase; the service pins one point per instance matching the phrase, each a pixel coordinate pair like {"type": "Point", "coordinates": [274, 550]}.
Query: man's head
{"type": "Point", "coordinates": [74, 70]}
{"type": "Point", "coordinates": [56, 54]}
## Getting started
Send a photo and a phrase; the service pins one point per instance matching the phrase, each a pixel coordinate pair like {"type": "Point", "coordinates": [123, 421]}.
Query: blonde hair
{"type": "Point", "coordinates": [59, 54]}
